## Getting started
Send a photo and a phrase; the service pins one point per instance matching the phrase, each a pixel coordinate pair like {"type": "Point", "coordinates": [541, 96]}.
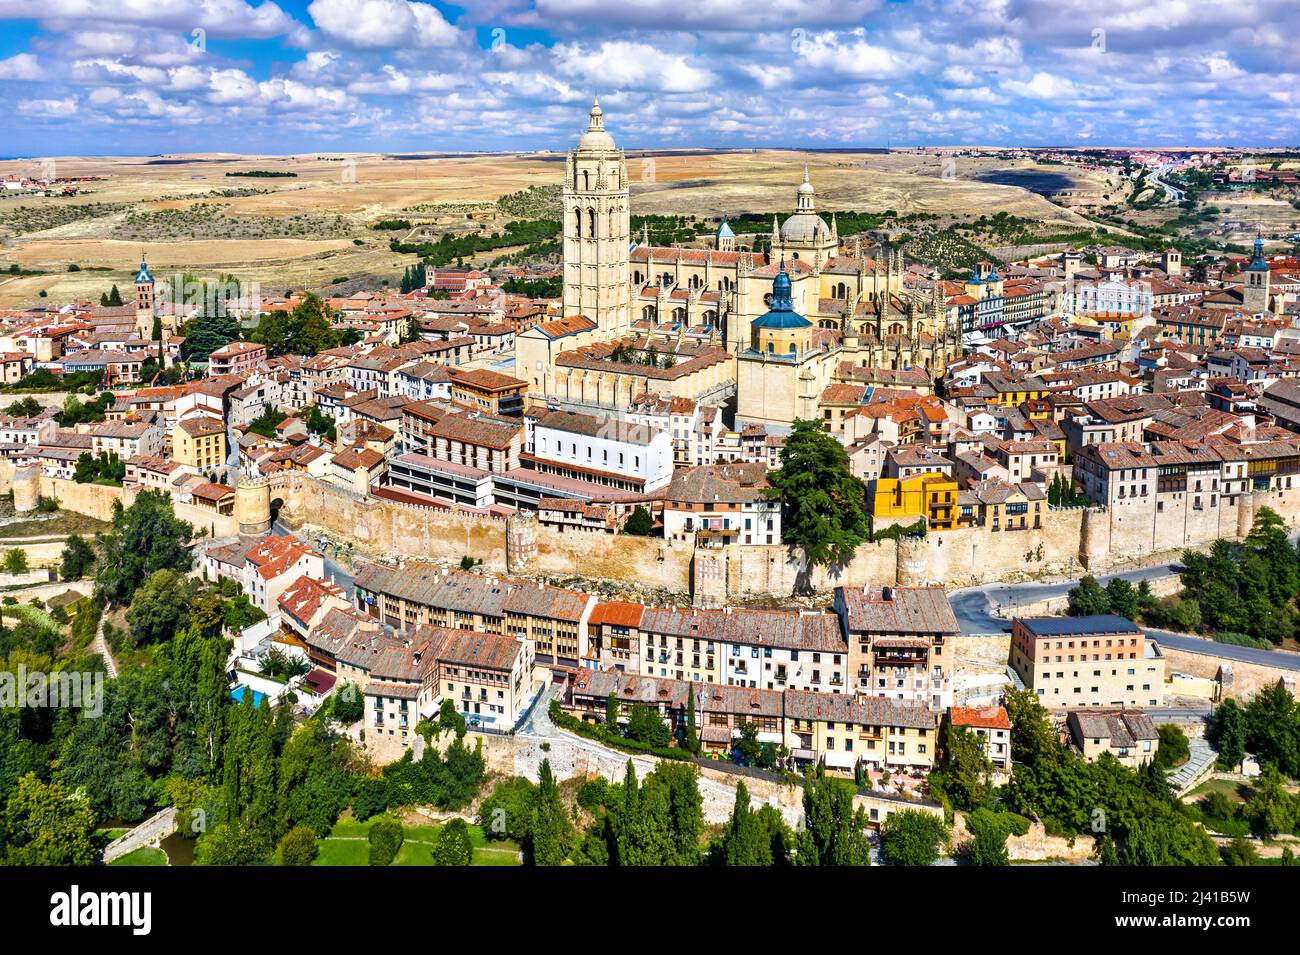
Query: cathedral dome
{"type": "Point", "coordinates": [595, 139]}
{"type": "Point", "coordinates": [804, 227]}
{"type": "Point", "coordinates": [781, 314]}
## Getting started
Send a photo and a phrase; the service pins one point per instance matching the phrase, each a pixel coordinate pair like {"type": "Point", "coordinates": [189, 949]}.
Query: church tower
{"type": "Point", "coordinates": [597, 234]}
{"type": "Point", "coordinates": [144, 300]}
{"type": "Point", "coordinates": [1255, 295]}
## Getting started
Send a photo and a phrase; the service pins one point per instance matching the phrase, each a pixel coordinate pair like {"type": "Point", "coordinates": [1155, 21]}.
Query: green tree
{"type": "Point", "coordinates": [1122, 598]}
{"type": "Point", "coordinates": [1273, 729]}
{"type": "Point", "coordinates": [1088, 599]}
{"type": "Point", "coordinates": [551, 833]}
{"type": "Point", "coordinates": [1271, 809]}
{"type": "Point", "coordinates": [78, 558]}
{"type": "Point", "coordinates": [146, 537]}
{"type": "Point", "coordinates": [639, 522]}
{"type": "Point", "coordinates": [298, 846]}
{"type": "Point", "coordinates": [349, 705]}
{"type": "Point", "coordinates": [1227, 732]}
{"type": "Point", "coordinates": [744, 843]}
{"type": "Point", "coordinates": [989, 843]}
{"type": "Point", "coordinates": [452, 845]}
{"type": "Point", "coordinates": [231, 844]}
{"type": "Point", "coordinates": [963, 773]}
{"type": "Point", "coordinates": [507, 812]}
{"type": "Point", "coordinates": [645, 725]}
{"type": "Point", "coordinates": [834, 834]}
{"type": "Point", "coordinates": [161, 607]}
{"type": "Point", "coordinates": [15, 561]}
{"type": "Point", "coordinates": [912, 837]}
{"type": "Point", "coordinates": [824, 504]}
{"type": "Point", "coordinates": [385, 838]}
{"type": "Point", "coordinates": [1174, 748]}
{"type": "Point", "coordinates": [45, 824]}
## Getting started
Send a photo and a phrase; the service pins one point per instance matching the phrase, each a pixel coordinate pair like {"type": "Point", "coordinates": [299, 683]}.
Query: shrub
{"type": "Point", "coordinates": [506, 813]}
{"type": "Point", "coordinates": [452, 845]}
{"type": "Point", "coordinates": [348, 704]}
{"type": "Point", "coordinates": [298, 847]}
{"type": "Point", "coordinates": [385, 840]}
{"type": "Point", "coordinates": [912, 837]}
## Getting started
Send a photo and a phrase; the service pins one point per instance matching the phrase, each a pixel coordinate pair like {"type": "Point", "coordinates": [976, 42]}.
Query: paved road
{"type": "Point", "coordinates": [1173, 193]}
{"type": "Point", "coordinates": [976, 609]}
{"type": "Point", "coordinates": [333, 570]}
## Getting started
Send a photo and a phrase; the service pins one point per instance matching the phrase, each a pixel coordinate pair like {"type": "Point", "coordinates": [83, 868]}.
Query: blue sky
{"type": "Point", "coordinates": [139, 77]}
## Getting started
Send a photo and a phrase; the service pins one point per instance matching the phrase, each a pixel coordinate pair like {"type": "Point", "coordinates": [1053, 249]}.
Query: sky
{"type": "Point", "coordinates": [143, 77]}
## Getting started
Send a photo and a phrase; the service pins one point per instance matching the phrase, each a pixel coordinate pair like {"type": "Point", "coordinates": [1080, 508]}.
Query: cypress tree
{"type": "Point", "coordinates": [692, 740]}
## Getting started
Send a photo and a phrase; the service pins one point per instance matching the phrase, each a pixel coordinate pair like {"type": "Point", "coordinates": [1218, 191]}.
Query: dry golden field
{"type": "Point", "coordinates": [362, 189]}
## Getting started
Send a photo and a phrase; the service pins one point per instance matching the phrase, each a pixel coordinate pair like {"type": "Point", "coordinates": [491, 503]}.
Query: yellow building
{"type": "Point", "coordinates": [932, 496]}
{"type": "Point", "coordinates": [199, 442]}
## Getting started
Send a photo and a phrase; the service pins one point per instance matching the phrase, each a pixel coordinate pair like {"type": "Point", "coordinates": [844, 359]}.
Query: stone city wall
{"type": "Point", "coordinates": [1074, 541]}
{"type": "Point", "coordinates": [1247, 678]}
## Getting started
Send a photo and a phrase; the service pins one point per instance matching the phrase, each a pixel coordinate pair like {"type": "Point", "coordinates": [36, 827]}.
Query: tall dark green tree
{"type": "Point", "coordinates": [691, 741]}
{"type": "Point", "coordinates": [825, 505]}
{"type": "Point", "coordinates": [834, 833]}
{"type": "Point", "coordinates": [550, 835]}
{"type": "Point", "coordinates": [744, 843]}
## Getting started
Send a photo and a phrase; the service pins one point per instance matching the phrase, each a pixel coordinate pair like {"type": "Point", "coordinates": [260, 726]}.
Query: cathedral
{"type": "Point", "coordinates": [830, 305]}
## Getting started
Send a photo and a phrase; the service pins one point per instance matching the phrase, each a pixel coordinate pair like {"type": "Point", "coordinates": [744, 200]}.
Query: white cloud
{"type": "Point", "coordinates": [848, 54]}
{"type": "Point", "coordinates": [24, 66]}
{"type": "Point", "coordinates": [382, 24]}
{"type": "Point", "coordinates": [619, 63]}
{"type": "Point", "coordinates": [49, 108]}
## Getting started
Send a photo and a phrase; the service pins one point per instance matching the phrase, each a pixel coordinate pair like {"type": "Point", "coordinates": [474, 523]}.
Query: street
{"type": "Point", "coordinates": [975, 609]}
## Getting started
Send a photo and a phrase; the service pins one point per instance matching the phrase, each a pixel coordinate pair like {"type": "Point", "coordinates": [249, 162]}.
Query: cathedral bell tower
{"type": "Point", "coordinates": [144, 299]}
{"type": "Point", "coordinates": [1255, 295]}
{"type": "Point", "coordinates": [597, 233]}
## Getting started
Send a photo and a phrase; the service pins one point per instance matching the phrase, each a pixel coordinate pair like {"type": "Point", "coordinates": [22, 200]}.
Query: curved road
{"type": "Point", "coordinates": [1172, 193]}
{"type": "Point", "coordinates": [976, 609]}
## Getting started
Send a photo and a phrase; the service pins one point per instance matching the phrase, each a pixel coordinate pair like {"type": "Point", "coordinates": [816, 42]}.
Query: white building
{"type": "Point", "coordinates": [602, 451]}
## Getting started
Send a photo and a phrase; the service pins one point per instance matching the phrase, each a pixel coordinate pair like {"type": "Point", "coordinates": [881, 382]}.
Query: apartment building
{"type": "Point", "coordinates": [895, 735]}
{"type": "Point", "coordinates": [419, 594]}
{"type": "Point", "coordinates": [236, 358]}
{"type": "Point", "coordinates": [897, 640]}
{"type": "Point", "coordinates": [1081, 662]}
{"type": "Point", "coordinates": [992, 726]}
{"type": "Point", "coordinates": [1128, 735]}
{"type": "Point", "coordinates": [723, 504]}
{"type": "Point", "coordinates": [199, 441]}
{"type": "Point", "coordinates": [601, 451]}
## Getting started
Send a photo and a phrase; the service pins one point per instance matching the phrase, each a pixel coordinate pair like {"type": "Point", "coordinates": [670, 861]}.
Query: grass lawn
{"type": "Point", "coordinates": [348, 845]}
{"type": "Point", "coordinates": [66, 523]}
{"type": "Point", "coordinates": [1236, 791]}
{"type": "Point", "coordinates": [147, 855]}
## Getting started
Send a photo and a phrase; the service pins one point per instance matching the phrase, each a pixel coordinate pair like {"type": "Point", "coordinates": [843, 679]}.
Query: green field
{"type": "Point", "coordinates": [347, 845]}
{"type": "Point", "coordinates": [147, 855]}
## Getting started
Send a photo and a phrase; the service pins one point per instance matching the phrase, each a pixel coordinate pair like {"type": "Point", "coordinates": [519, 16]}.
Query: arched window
{"type": "Point", "coordinates": [586, 181]}
{"type": "Point", "coordinates": [648, 313]}
{"type": "Point", "coordinates": [577, 223]}
{"type": "Point", "coordinates": [613, 222]}
{"type": "Point", "coordinates": [636, 278]}
{"type": "Point", "coordinates": [591, 223]}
